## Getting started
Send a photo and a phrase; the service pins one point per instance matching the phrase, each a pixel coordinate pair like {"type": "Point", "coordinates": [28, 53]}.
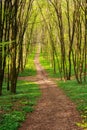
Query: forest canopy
{"type": "Point", "coordinates": [60, 28]}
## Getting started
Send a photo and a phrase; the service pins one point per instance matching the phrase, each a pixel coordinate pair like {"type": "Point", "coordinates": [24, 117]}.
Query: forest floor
{"type": "Point", "coordinates": [54, 111]}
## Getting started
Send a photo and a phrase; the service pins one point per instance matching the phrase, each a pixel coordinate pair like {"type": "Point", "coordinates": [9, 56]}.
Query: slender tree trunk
{"type": "Point", "coordinates": [1, 60]}
{"type": "Point", "coordinates": [85, 46]}
{"type": "Point", "coordinates": [14, 51]}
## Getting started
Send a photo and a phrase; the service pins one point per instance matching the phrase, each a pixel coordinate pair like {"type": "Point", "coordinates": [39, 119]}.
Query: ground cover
{"type": "Point", "coordinates": [44, 60]}
{"type": "Point", "coordinates": [13, 108]}
{"type": "Point", "coordinates": [29, 69]}
{"type": "Point", "coordinates": [78, 94]}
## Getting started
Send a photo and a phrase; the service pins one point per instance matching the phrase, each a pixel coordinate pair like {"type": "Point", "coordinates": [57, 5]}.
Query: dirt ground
{"type": "Point", "coordinates": [54, 110]}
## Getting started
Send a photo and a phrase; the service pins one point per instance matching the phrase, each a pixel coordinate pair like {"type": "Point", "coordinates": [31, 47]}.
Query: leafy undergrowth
{"type": "Point", "coordinates": [49, 68]}
{"type": "Point", "coordinates": [78, 94]}
{"type": "Point", "coordinates": [29, 69]}
{"type": "Point", "coordinates": [13, 108]}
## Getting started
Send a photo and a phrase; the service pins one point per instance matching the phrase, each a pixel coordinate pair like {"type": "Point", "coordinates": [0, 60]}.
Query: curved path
{"type": "Point", "coordinates": [54, 110]}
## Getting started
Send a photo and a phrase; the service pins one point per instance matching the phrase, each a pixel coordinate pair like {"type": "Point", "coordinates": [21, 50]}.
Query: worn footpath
{"type": "Point", "coordinates": [54, 110]}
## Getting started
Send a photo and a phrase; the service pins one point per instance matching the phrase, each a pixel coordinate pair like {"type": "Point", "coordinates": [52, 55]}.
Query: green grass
{"type": "Point", "coordinates": [13, 108]}
{"type": "Point", "coordinates": [78, 94]}
{"type": "Point", "coordinates": [29, 69]}
{"type": "Point", "coordinates": [49, 69]}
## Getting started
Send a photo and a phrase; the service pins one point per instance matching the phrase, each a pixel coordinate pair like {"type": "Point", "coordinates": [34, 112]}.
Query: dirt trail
{"type": "Point", "coordinates": [54, 110]}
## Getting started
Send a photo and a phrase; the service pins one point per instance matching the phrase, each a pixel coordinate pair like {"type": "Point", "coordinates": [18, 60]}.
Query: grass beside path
{"type": "Point", "coordinates": [29, 69]}
{"type": "Point", "coordinates": [48, 67]}
{"type": "Point", "coordinates": [76, 92]}
{"type": "Point", "coordinates": [13, 108]}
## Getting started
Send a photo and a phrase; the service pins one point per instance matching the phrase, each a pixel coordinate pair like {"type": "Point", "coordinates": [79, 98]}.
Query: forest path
{"type": "Point", "coordinates": [54, 110]}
